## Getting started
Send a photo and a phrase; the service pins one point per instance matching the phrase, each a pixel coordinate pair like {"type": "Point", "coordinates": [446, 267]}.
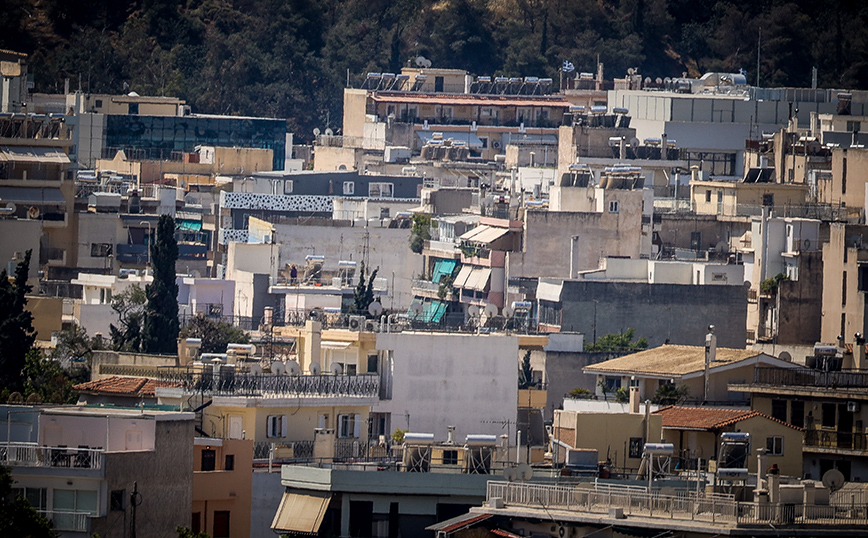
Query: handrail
{"type": "Point", "coordinates": [33, 455]}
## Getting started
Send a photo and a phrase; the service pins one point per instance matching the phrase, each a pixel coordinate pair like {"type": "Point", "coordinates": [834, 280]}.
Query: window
{"type": "Point", "coordinates": [844, 289]}
{"type": "Point", "coordinates": [97, 103]}
{"type": "Point", "coordinates": [229, 463]}
{"type": "Point", "coordinates": [829, 415]}
{"type": "Point", "coordinates": [484, 140]}
{"type": "Point", "coordinates": [775, 446]}
{"type": "Point", "coordinates": [450, 457]}
{"type": "Point", "coordinates": [276, 426]}
{"type": "Point", "coordinates": [779, 410]}
{"type": "Point", "coordinates": [797, 413]}
{"type": "Point", "coordinates": [844, 175]}
{"type": "Point", "coordinates": [384, 212]}
{"type": "Point", "coordinates": [635, 447]}
{"type": "Point", "coordinates": [349, 426]}
{"type": "Point", "coordinates": [708, 195]}
{"type": "Point", "coordinates": [118, 500]}
{"type": "Point", "coordinates": [221, 523]}
{"type": "Point", "coordinates": [854, 126]}
{"type": "Point", "coordinates": [35, 496]}
{"type": "Point", "coordinates": [381, 190]}
{"type": "Point", "coordinates": [613, 207]}
{"type": "Point", "coordinates": [209, 459]}
{"type": "Point", "coordinates": [134, 108]}
{"type": "Point", "coordinates": [100, 250]}
{"type": "Point", "coordinates": [349, 187]}
{"type": "Point", "coordinates": [523, 114]}
{"type": "Point", "coordinates": [373, 361]}
{"type": "Point", "coordinates": [287, 186]}
{"type": "Point", "coordinates": [74, 500]}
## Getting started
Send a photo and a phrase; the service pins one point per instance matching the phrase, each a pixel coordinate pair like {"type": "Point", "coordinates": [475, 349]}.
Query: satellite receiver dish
{"type": "Point", "coordinates": [278, 368]}
{"type": "Point", "coordinates": [510, 474]}
{"type": "Point", "coordinates": [375, 308]}
{"type": "Point", "coordinates": [329, 132]}
{"type": "Point", "coordinates": [631, 71]}
{"type": "Point", "coordinates": [421, 61]}
{"type": "Point", "coordinates": [525, 472]}
{"type": "Point", "coordinates": [293, 368]}
{"type": "Point", "coordinates": [473, 310]}
{"type": "Point", "coordinates": [833, 479]}
{"type": "Point", "coordinates": [634, 142]}
{"type": "Point", "coordinates": [667, 80]}
{"type": "Point", "coordinates": [507, 312]}
{"type": "Point", "coordinates": [315, 368]}
{"type": "Point", "coordinates": [490, 310]}
{"type": "Point", "coordinates": [255, 369]}
{"type": "Point", "coordinates": [316, 131]}
{"type": "Point", "coordinates": [416, 308]}
{"type": "Point", "coordinates": [337, 369]}
{"type": "Point", "coordinates": [659, 80]}
{"type": "Point", "coordinates": [252, 349]}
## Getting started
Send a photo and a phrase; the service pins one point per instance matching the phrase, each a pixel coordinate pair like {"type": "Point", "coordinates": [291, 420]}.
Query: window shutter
{"type": "Point", "coordinates": [269, 426]}
{"type": "Point", "coordinates": [284, 425]}
{"type": "Point", "coordinates": [357, 426]}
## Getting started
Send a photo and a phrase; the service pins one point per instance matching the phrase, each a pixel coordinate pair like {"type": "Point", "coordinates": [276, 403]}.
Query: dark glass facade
{"type": "Point", "coordinates": [157, 137]}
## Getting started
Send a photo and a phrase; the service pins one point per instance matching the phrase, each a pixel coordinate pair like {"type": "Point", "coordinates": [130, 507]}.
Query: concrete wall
{"type": "Point", "coordinates": [659, 312]}
{"type": "Point", "coordinates": [267, 492]}
{"type": "Point", "coordinates": [165, 482]}
{"type": "Point", "coordinates": [222, 489]}
{"type": "Point", "coordinates": [799, 317]}
{"type": "Point", "coordinates": [20, 235]}
{"type": "Point", "coordinates": [386, 248]}
{"type": "Point", "coordinates": [439, 380]}
{"type": "Point", "coordinates": [562, 372]}
{"type": "Point", "coordinates": [47, 315]}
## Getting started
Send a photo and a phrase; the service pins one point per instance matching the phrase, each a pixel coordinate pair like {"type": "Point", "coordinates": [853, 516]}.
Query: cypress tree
{"type": "Point", "coordinates": [161, 314]}
{"type": "Point", "coordinates": [16, 325]}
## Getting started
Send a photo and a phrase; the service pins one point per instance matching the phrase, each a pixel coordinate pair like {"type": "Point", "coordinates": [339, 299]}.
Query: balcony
{"type": "Point", "coordinates": [55, 257]}
{"type": "Point", "coordinates": [67, 521]}
{"type": "Point", "coordinates": [835, 441]}
{"type": "Point", "coordinates": [273, 385]}
{"type": "Point", "coordinates": [32, 455]}
{"type": "Point", "coordinates": [815, 379]}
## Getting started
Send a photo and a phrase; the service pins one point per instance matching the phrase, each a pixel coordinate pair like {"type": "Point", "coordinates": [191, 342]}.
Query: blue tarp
{"type": "Point", "coordinates": [443, 268]}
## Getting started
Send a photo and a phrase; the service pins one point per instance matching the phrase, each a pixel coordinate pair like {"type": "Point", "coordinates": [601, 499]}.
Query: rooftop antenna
{"type": "Point", "coordinates": [759, 40]}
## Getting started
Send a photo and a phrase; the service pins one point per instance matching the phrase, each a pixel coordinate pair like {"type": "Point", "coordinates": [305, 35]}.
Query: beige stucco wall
{"type": "Point", "coordinates": [608, 433]}
{"type": "Point", "coordinates": [47, 315]}
{"type": "Point", "coordinates": [220, 489]}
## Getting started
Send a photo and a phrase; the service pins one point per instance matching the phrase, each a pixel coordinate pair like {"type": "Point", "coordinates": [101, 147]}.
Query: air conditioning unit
{"type": "Point", "coordinates": [356, 323]}
{"type": "Point", "coordinates": [852, 407]}
{"type": "Point", "coordinates": [371, 326]}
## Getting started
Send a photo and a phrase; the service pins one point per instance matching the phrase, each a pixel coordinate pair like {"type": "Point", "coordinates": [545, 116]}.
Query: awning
{"type": "Point", "coordinates": [458, 523]}
{"type": "Point", "coordinates": [478, 279]}
{"type": "Point", "coordinates": [188, 225]}
{"type": "Point", "coordinates": [490, 235]}
{"type": "Point", "coordinates": [434, 311]}
{"type": "Point", "coordinates": [463, 275]}
{"type": "Point", "coordinates": [301, 513]}
{"type": "Point", "coordinates": [32, 154]}
{"type": "Point", "coordinates": [443, 268]}
{"type": "Point", "coordinates": [470, 139]}
{"type": "Point", "coordinates": [332, 344]}
{"type": "Point", "coordinates": [32, 195]}
{"type": "Point", "coordinates": [469, 235]}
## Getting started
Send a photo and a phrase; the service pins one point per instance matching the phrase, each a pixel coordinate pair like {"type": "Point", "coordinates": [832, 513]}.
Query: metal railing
{"type": "Point", "coordinates": [33, 455]}
{"type": "Point", "coordinates": [67, 521]}
{"type": "Point", "coordinates": [273, 385]}
{"type": "Point", "coordinates": [721, 509]}
{"type": "Point", "coordinates": [836, 439]}
{"type": "Point", "coordinates": [805, 377]}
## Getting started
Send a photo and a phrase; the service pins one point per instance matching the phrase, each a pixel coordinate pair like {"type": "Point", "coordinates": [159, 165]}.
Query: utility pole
{"type": "Point", "coordinates": [135, 501]}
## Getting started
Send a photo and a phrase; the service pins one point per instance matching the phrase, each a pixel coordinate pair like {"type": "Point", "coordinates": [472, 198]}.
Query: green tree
{"type": "Point", "coordinates": [16, 325]}
{"type": "Point", "coordinates": [130, 308]}
{"type": "Point", "coordinates": [161, 328]}
{"type": "Point", "coordinates": [17, 517]}
{"type": "Point", "coordinates": [420, 232]}
{"type": "Point", "coordinates": [45, 378]}
{"type": "Point", "coordinates": [669, 394]}
{"type": "Point", "coordinates": [185, 532]}
{"type": "Point", "coordinates": [215, 335]}
{"type": "Point", "coordinates": [619, 342]}
{"type": "Point", "coordinates": [525, 372]}
{"type": "Point", "coordinates": [73, 345]}
{"type": "Point", "coordinates": [363, 296]}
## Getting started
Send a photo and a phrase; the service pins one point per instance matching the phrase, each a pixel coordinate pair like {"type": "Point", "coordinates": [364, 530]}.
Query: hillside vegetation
{"type": "Point", "coordinates": [291, 58]}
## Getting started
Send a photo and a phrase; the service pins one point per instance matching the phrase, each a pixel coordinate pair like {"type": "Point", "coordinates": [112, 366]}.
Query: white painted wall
{"type": "Point", "coordinates": [75, 431]}
{"type": "Point", "coordinates": [468, 381]}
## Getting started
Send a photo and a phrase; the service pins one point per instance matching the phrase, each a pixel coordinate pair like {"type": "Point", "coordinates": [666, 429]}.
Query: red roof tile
{"type": "Point", "coordinates": [707, 418]}
{"type": "Point", "coordinates": [124, 386]}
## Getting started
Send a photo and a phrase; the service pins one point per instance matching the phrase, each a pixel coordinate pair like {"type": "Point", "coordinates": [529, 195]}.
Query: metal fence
{"type": "Point", "coordinates": [244, 384]}
{"type": "Point", "coordinates": [805, 377]}
{"type": "Point", "coordinates": [67, 521]}
{"type": "Point", "coordinates": [32, 455]}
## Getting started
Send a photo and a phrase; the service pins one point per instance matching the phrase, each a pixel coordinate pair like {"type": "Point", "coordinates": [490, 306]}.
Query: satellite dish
{"type": "Point", "coordinates": [255, 369]}
{"type": "Point", "coordinates": [375, 308]}
{"type": "Point", "coordinates": [316, 131]}
{"type": "Point", "coordinates": [421, 61]}
{"type": "Point", "coordinates": [667, 80]}
{"type": "Point", "coordinates": [337, 369]}
{"type": "Point", "coordinates": [195, 274]}
{"type": "Point", "coordinates": [416, 308]}
{"type": "Point", "coordinates": [293, 368]}
{"type": "Point", "coordinates": [11, 207]}
{"type": "Point", "coordinates": [329, 132]}
{"type": "Point", "coordinates": [631, 71]}
{"type": "Point", "coordinates": [659, 80]}
{"type": "Point", "coordinates": [33, 212]}
{"type": "Point", "coordinates": [510, 474]}
{"type": "Point", "coordinates": [647, 80]}
{"type": "Point", "coordinates": [278, 368]}
{"type": "Point", "coordinates": [490, 310]}
{"type": "Point", "coordinates": [833, 479]}
{"type": "Point", "coordinates": [315, 368]}
{"type": "Point", "coordinates": [252, 349]}
{"type": "Point", "coordinates": [634, 142]}
{"type": "Point", "coordinates": [525, 472]}
{"type": "Point", "coordinates": [507, 312]}
{"type": "Point", "coordinates": [427, 63]}
{"type": "Point", "coordinates": [473, 310]}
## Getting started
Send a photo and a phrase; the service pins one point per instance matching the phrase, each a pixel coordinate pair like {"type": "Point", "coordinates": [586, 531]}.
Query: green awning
{"type": "Point", "coordinates": [443, 268]}
{"type": "Point", "coordinates": [183, 225]}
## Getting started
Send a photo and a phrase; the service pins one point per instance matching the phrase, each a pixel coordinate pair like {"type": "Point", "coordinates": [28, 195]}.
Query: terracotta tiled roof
{"type": "Point", "coordinates": [670, 360]}
{"type": "Point", "coordinates": [708, 418]}
{"type": "Point", "coordinates": [124, 386]}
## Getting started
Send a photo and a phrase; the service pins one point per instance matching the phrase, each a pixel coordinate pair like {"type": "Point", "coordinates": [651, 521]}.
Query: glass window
{"type": "Point", "coordinates": [829, 415]}
{"type": "Point", "coordinates": [229, 464]}
{"type": "Point", "coordinates": [779, 410]}
{"type": "Point", "coordinates": [380, 190]}
{"type": "Point", "coordinates": [775, 446]}
{"type": "Point", "coordinates": [349, 187]}
{"type": "Point", "coordinates": [208, 459]}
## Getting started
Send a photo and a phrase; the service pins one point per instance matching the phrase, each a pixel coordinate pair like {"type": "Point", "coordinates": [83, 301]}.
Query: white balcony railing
{"type": "Point", "coordinates": [33, 455]}
{"type": "Point", "coordinates": [67, 521]}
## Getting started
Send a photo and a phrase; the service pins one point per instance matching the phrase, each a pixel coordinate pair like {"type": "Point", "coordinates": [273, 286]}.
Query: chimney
{"type": "Point", "coordinates": [634, 400]}
{"type": "Point", "coordinates": [710, 355]}
{"type": "Point", "coordinates": [312, 343]}
{"type": "Point", "coordinates": [450, 435]}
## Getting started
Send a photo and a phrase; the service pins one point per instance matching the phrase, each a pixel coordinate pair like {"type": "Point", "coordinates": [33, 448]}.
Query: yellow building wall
{"type": "Point", "coordinates": [355, 107]}
{"type": "Point", "coordinates": [532, 398]}
{"type": "Point", "coordinates": [331, 158]}
{"type": "Point", "coordinates": [47, 315]}
{"type": "Point", "coordinates": [220, 489]}
{"type": "Point", "coordinates": [609, 433]}
{"type": "Point", "coordinates": [301, 421]}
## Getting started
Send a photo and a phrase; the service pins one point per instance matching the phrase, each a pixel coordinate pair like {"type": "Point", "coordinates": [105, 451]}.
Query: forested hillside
{"type": "Point", "coordinates": [290, 58]}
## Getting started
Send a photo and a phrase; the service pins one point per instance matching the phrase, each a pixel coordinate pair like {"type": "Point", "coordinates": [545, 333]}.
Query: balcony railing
{"type": "Point", "coordinates": [67, 521]}
{"type": "Point", "coordinates": [836, 440]}
{"type": "Point", "coordinates": [273, 385]}
{"type": "Point", "coordinates": [32, 455]}
{"type": "Point", "coordinates": [701, 509]}
{"type": "Point", "coordinates": [804, 377]}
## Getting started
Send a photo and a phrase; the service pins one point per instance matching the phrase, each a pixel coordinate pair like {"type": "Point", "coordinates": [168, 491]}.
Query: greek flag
{"type": "Point", "coordinates": [568, 67]}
